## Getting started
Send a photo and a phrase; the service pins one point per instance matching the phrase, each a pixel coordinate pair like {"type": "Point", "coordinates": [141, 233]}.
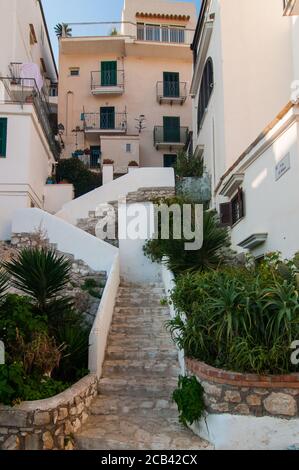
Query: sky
{"type": "Point", "coordinates": [73, 11]}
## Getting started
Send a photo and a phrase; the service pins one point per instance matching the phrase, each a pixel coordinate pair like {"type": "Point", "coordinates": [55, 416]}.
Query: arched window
{"type": "Point", "coordinates": [206, 88]}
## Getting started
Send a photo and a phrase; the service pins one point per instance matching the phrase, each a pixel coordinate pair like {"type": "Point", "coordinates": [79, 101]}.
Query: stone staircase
{"type": "Point", "coordinates": [88, 224]}
{"type": "Point", "coordinates": [134, 408]}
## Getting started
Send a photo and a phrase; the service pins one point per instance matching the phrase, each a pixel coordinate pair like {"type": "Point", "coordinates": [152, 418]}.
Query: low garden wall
{"type": "Point", "coordinates": [247, 394]}
{"type": "Point", "coordinates": [47, 424]}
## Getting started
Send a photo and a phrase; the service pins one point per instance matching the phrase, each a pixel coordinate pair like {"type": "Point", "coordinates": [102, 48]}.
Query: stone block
{"type": "Point", "coordinates": [281, 404]}
{"type": "Point", "coordinates": [32, 442]}
{"type": "Point", "coordinates": [42, 418]}
{"type": "Point", "coordinates": [48, 442]}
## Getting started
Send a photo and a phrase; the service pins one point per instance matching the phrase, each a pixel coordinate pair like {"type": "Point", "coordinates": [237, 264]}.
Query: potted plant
{"type": "Point", "coordinates": [191, 179]}
{"type": "Point", "coordinates": [132, 166]}
{"type": "Point", "coordinates": [108, 161]}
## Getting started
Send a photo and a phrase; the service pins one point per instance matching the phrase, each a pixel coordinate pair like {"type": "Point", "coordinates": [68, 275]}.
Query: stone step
{"type": "Point", "coordinates": [115, 432]}
{"type": "Point", "coordinates": [136, 329]}
{"type": "Point", "coordinates": [137, 387]}
{"type": "Point", "coordinates": [138, 311]}
{"type": "Point", "coordinates": [141, 342]}
{"type": "Point", "coordinates": [145, 354]}
{"type": "Point", "coordinates": [155, 368]}
{"type": "Point", "coordinates": [105, 405]}
{"type": "Point", "coordinates": [141, 290]}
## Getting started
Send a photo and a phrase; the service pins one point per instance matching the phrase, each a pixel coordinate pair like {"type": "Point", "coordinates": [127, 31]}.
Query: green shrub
{"type": "Point", "coordinates": [74, 171]}
{"type": "Point", "coordinates": [17, 317]}
{"type": "Point", "coordinates": [213, 253]}
{"type": "Point", "coordinates": [189, 397]}
{"type": "Point", "coordinates": [237, 319]}
{"type": "Point", "coordinates": [93, 287]}
{"type": "Point", "coordinates": [16, 387]}
{"type": "Point", "coordinates": [74, 361]}
{"type": "Point", "coordinates": [188, 165]}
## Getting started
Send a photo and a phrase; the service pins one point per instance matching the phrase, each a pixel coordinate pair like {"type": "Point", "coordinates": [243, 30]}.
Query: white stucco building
{"type": "Point", "coordinates": [28, 109]}
{"type": "Point", "coordinates": [245, 118]}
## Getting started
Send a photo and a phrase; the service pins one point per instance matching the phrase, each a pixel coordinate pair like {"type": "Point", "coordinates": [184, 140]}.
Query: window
{"type": "Point", "coordinates": [171, 127]}
{"type": "Point", "coordinates": [74, 72]}
{"type": "Point", "coordinates": [171, 85]}
{"type": "Point", "coordinates": [128, 148]}
{"type": "Point", "coordinates": [32, 35]}
{"type": "Point", "coordinates": [205, 91]}
{"type": "Point", "coordinates": [107, 117]}
{"type": "Point", "coordinates": [109, 73]}
{"type": "Point", "coordinates": [43, 65]}
{"type": "Point", "coordinates": [160, 33]}
{"type": "Point", "coordinates": [233, 211]}
{"type": "Point", "coordinates": [3, 137]}
{"type": "Point", "coordinates": [169, 161]}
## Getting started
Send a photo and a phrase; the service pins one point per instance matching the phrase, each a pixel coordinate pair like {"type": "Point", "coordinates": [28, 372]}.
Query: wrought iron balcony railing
{"type": "Point", "coordinates": [107, 81]}
{"type": "Point", "coordinates": [171, 91]}
{"type": "Point", "coordinates": [105, 122]}
{"type": "Point", "coordinates": [175, 137]}
{"type": "Point", "coordinates": [25, 91]}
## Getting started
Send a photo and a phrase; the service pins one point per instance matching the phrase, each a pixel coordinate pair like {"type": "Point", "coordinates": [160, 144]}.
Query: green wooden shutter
{"type": "Point", "coordinates": [109, 73]}
{"type": "Point", "coordinates": [171, 129]}
{"type": "Point", "coordinates": [107, 120]}
{"type": "Point", "coordinates": [171, 84]}
{"type": "Point", "coordinates": [3, 136]}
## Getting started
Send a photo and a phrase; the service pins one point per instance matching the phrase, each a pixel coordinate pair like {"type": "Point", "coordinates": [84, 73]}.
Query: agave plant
{"type": "Point", "coordinates": [40, 273]}
{"type": "Point", "coordinates": [63, 30]}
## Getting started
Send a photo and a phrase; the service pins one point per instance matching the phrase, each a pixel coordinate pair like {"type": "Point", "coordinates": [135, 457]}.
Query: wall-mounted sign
{"type": "Point", "coordinates": [282, 166]}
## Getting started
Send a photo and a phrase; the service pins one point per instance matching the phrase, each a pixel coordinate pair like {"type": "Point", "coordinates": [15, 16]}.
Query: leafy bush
{"type": "Point", "coordinates": [189, 397]}
{"type": "Point", "coordinates": [93, 287]}
{"type": "Point", "coordinates": [237, 319]}
{"type": "Point", "coordinates": [74, 171]}
{"type": "Point", "coordinates": [16, 387]}
{"type": "Point", "coordinates": [17, 318]}
{"type": "Point", "coordinates": [74, 362]}
{"type": "Point", "coordinates": [189, 165]}
{"type": "Point", "coordinates": [213, 253]}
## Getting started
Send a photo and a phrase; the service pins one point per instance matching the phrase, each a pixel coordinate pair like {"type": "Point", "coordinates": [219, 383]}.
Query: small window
{"type": "Point", "coordinates": [128, 148]}
{"type": "Point", "coordinates": [32, 35]}
{"type": "Point", "coordinates": [205, 91]}
{"type": "Point", "coordinates": [74, 72]}
{"type": "Point", "coordinates": [43, 65]}
{"type": "Point", "coordinates": [3, 137]}
{"type": "Point", "coordinates": [233, 211]}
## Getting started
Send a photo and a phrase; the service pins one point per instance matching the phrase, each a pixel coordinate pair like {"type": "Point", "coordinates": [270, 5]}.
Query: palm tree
{"type": "Point", "coordinates": [3, 285]}
{"type": "Point", "coordinates": [113, 32]}
{"type": "Point", "coordinates": [63, 30]}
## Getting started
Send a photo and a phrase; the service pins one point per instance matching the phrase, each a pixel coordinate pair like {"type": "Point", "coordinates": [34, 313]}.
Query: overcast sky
{"type": "Point", "coordinates": [74, 11]}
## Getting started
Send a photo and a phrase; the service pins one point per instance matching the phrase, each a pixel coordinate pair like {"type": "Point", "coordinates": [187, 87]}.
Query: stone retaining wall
{"type": "Point", "coordinates": [247, 394]}
{"type": "Point", "coordinates": [47, 424]}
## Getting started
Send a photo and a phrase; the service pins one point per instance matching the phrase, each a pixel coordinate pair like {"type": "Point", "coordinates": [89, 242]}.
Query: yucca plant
{"type": "Point", "coordinates": [63, 30]}
{"type": "Point", "coordinates": [41, 274]}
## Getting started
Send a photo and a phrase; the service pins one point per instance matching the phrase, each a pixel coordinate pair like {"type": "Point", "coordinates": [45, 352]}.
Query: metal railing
{"type": "Point", "coordinates": [170, 135]}
{"type": "Point", "coordinates": [108, 121]}
{"type": "Point", "coordinates": [141, 32]}
{"type": "Point", "coordinates": [172, 90]}
{"type": "Point", "coordinates": [103, 79]}
{"type": "Point", "coordinates": [24, 91]}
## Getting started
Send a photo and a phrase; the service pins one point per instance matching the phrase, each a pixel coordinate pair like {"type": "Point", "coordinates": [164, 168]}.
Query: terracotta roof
{"type": "Point", "coordinates": [163, 16]}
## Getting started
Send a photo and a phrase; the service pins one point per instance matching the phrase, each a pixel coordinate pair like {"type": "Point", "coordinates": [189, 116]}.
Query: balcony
{"type": "Point", "coordinates": [25, 91]}
{"type": "Point", "coordinates": [171, 92]}
{"type": "Point", "coordinates": [107, 82]}
{"type": "Point", "coordinates": [105, 123]}
{"type": "Point", "coordinates": [165, 34]}
{"type": "Point", "coordinates": [170, 138]}
{"type": "Point", "coordinates": [125, 38]}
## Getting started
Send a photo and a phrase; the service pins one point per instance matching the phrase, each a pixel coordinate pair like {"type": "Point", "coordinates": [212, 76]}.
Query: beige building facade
{"type": "Point", "coordinates": [124, 93]}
